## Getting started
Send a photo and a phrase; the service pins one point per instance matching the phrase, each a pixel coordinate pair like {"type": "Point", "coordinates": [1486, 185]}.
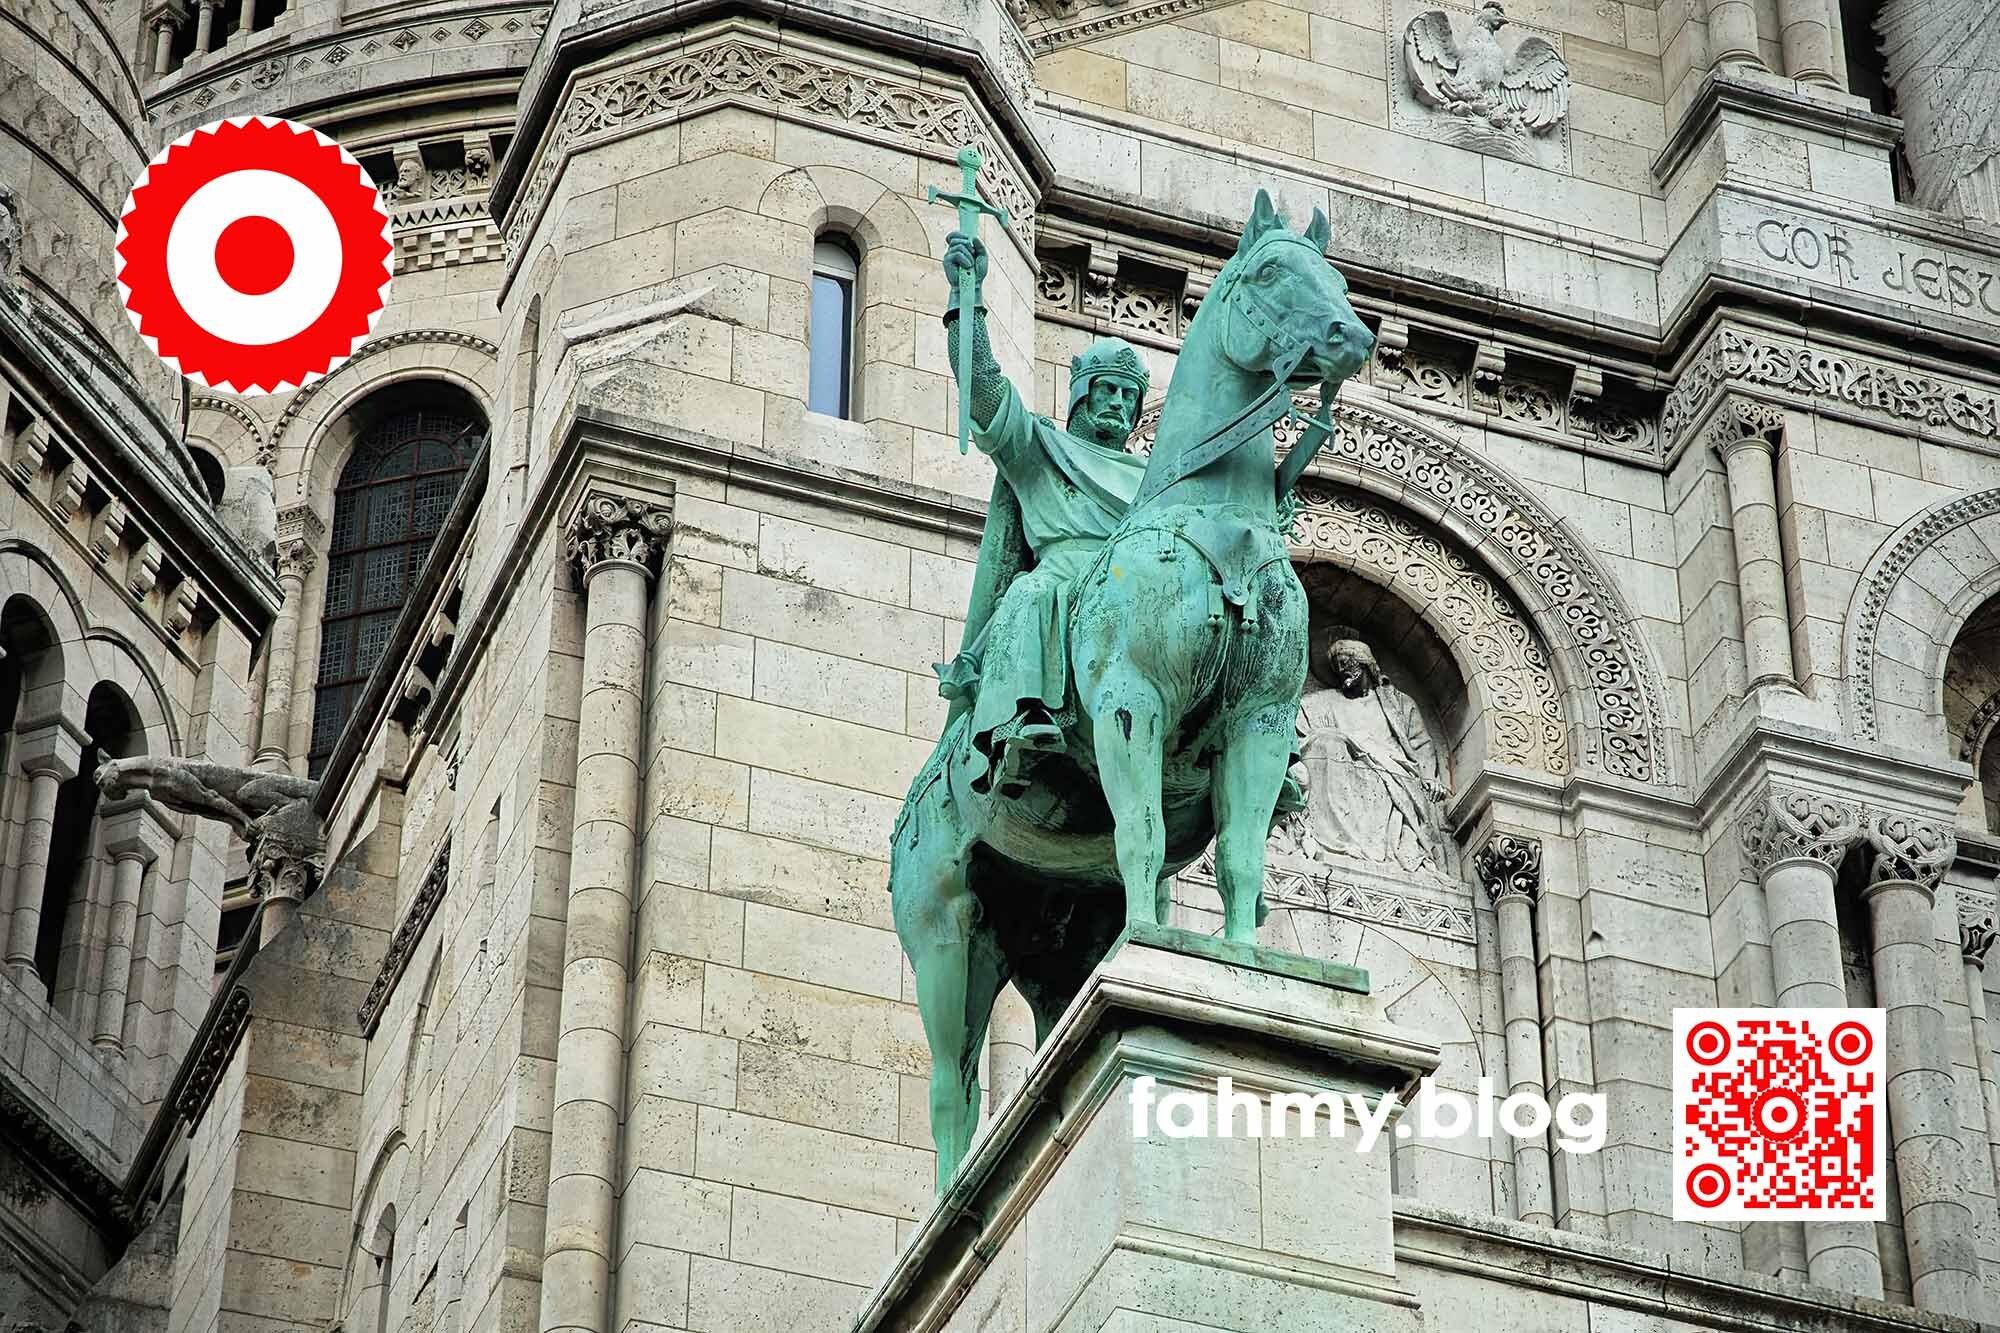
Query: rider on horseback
{"type": "Point", "coordinates": [1059, 494]}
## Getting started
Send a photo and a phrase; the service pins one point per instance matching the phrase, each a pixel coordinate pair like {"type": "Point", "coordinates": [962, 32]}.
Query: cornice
{"type": "Point", "coordinates": [556, 69]}
{"type": "Point", "coordinates": [1769, 99]}
{"type": "Point", "coordinates": [1878, 776]}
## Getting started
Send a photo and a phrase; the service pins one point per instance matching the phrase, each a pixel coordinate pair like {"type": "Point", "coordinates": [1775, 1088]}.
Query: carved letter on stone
{"type": "Point", "coordinates": [1480, 94]}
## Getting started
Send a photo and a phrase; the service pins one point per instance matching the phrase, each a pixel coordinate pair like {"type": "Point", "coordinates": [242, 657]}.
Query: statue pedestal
{"type": "Point", "coordinates": [1062, 1217]}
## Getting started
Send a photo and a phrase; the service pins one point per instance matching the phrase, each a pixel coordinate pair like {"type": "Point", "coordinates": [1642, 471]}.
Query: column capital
{"type": "Point", "coordinates": [137, 828]}
{"type": "Point", "coordinates": [1787, 824]}
{"type": "Point", "coordinates": [282, 871]}
{"type": "Point", "coordinates": [50, 746]}
{"type": "Point", "coordinates": [1975, 937]}
{"type": "Point", "coordinates": [1742, 422]}
{"type": "Point", "coordinates": [1510, 865]}
{"type": "Point", "coordinates": [296, 557]}
{"type": "Point", "coordinates": [609, 527]}
{"type": "Point", "coordinates": [1908, 849]}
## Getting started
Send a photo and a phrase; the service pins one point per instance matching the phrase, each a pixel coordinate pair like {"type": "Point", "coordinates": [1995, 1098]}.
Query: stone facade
{"type": "Point", "coordinates": [1670, 498]}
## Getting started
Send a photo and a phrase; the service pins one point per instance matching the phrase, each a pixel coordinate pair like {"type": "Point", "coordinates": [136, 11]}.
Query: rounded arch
{"type": "Point", "coordinates": [229, 427]}
{"type": "Point", "coordinates": [1612, 698]}
{"type": "Point", "coordinates": [209, 467]}
{"type": "Point", "coordinates": [59, 686]}
{"type": "Point", "coordinates": [1915, 596]}
{"type": "Point", "coordinates": [308, 458]}
{"type": "Point", "coordinates": [820, 198]}
{"type": "Point", "coordinates": [113, 660]}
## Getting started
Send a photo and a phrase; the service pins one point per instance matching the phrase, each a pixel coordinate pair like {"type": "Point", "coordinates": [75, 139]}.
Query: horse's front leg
{"type": "Point", "coordinates": [1256, 749]}
{"type": "Point", "coordinates": [1129, 723]}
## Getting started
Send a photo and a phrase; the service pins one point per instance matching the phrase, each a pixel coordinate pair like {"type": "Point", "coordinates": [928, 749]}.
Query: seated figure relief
{"type": "Point", "coordinates": [1374, 785]}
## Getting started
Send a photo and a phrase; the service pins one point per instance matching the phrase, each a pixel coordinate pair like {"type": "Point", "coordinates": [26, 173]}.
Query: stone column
{"type": "Point", "coordinates": [1806, 31]}
{"type": "Point", "coordinates": [204, 26]}
{"type": "Point", "coordinates": [1794, 842]}
{"type": "Point", "coordinates": [164, 28]}
{"type": "Point", "coordinates": [48, 754]}
{"type": "Point", "coordinates": [1975, 937]}
{"type": "Point", "coordinates": [134, 837]}
{"type": "Point", "coordinates": [1732, 34]}
{"type": "Point", "coordinates": [616, 545]}
{"type": "Point", "coordinates": [1510, 866]}
{"type": "Point", "coordinates": [1745, 433]}
{"type": "Point", "coordinates": [1910, 856]}
{"type": "Point", "coordinates": [295, 561]}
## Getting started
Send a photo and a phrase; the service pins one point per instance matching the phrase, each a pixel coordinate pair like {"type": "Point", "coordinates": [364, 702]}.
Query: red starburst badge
{"type": "Point", "coordinates": [254, 255]}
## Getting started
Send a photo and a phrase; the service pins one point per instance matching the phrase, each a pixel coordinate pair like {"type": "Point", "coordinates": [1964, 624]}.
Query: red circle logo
{"type": "Point", "coordinates": [1708, 1185]}
{"type": "Point", "coordinates": [1707, 1043]}
{"type": "Point", "coordinates": [1779, 1114]}
{"type": "Point", "coordinates": [1850, 1043]}
{"type": "Point", "coordinates": [254, 255]}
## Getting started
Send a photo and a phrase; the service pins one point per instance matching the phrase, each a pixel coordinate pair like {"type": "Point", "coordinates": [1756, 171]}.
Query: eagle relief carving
{"type": "Point", "coordinates": [1470, 88]}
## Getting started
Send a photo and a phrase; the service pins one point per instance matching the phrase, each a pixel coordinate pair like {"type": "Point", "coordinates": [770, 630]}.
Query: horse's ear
{"type": "Point", "coordinates": [1263, 217]}
{"type": "Point", "coordinates": [1319, 231]}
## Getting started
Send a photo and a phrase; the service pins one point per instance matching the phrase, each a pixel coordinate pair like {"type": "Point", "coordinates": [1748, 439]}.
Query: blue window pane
{"type": "Point", "coordinates": [832, 329]}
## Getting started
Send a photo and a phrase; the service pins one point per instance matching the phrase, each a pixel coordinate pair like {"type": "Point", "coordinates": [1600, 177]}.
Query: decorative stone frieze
{"type": "Point", "coordinates": [1428, 368]}
{"type": "Point", "coordinates": [205, 1065]}
{"type": "Point", "coordinates": [1907, 848]}
{"type": "Point", "coordinates": [621, 528]}
{"type": "Point", "coordinates": [1054, 36]}
{"type": "Point", "coordinates": [403, 944]}
{"type": "Point", "coordinates": [1892, 393]}
{"type": "Point", "coordinates": [1786, 823]}
{"type": "Point", "coordinates": [1510, 865]}
{"type": "Point", "coordinates": [936, 121]}
{"type": "Point", "coordinates": [1317, 890]}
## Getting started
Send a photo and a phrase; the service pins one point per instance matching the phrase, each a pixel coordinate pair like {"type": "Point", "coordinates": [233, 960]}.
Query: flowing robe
{"type": "Point", "coordinates": [1367, 760]}
{"type": "Point", "coordinates": [1071, 495]}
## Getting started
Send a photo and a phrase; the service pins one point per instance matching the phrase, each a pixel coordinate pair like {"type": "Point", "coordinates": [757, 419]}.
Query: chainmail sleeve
{"type": "Point", "coordinates": [989, 383]}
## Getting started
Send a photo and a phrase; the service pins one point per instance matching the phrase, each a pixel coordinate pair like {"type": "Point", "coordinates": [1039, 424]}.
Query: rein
{"type": "Point", "coordinates": [1261, 413]}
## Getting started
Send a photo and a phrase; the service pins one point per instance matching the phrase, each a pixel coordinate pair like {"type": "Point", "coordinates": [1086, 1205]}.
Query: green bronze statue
{"type": "Point", "coordinates": [1128, 686]}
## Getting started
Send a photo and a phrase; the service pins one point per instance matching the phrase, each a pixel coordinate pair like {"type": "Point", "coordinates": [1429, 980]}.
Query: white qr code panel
{"type": "Point", "coordinates": [1778, 1113]}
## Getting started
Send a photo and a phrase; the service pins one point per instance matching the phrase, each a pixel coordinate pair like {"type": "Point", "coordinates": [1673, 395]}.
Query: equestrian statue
{"type": "Point", "coordinates": [1128, 686]}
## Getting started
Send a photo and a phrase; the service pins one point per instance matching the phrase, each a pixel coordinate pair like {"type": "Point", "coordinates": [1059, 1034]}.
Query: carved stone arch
{"type": "Point", "coordinates": [229, 428]}
{"type": "Point", "coordinates": [112, 658]}
{"type": "Point", "coordinates": [1501, 658]}
{"type": "Point", "coordinates": [1915, 594]}
{"type": "Point", "coordinates": [306, 467]}
{"type": "Point", "coordinates": [63, 687]}
{"type": "Point", "coordinates": [1615, 703]}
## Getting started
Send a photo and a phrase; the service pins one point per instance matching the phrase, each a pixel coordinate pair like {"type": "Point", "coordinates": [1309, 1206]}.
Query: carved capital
{"type": "Point", "coordinates": [610, 527]}
{"type": "Point", "coordinates": [1909, 849]}
{"type": "Point", "coordinates": [283, 869]}
{"type": "Point", "coordinates": [296, 559]}
{"type": "Point", "coordinates": [1975, 937]}
{"type": "Point", "coordinates": [1392, 344]}
{"type": "Point", "coordinates": [1742, 422]}
{"type": "Point", "coordinates": [1784, 824]}
{"type": "Point", "coordinates": [1510, 865]}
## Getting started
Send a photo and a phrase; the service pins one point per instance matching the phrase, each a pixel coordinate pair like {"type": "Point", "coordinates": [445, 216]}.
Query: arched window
{"type": "Point", "coordinates": [830, 338]}
{"type": "Point", "coordinates": [210, 468]}
{"type": "Point", "coordinates": [112, 731]}
{"type": "Point", "coordinates": [392, 497]}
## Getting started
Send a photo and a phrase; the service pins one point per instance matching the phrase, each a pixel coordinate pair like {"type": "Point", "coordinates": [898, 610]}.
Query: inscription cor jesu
{"type": "Point", "coordinates": [1955, 286]}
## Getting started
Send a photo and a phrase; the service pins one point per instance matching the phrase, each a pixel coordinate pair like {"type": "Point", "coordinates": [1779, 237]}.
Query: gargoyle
{"type": "Point", "coordinates": [251, 801]}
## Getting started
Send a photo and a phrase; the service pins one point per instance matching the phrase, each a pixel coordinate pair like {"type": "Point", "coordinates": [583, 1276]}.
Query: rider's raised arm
{"type": "Point", "coordinates": [990, 390]}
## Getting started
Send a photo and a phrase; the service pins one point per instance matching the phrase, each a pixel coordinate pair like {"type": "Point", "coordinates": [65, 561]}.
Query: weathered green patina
{"type": "Point", "coordinates": [1128, 687]}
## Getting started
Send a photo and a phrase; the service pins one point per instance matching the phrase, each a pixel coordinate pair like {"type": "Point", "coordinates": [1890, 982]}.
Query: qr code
{"type": "Point", "coordinates": [1778, 1112]}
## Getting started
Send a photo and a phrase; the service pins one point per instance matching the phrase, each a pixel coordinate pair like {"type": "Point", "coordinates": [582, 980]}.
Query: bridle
{"type": "Point", "coordinates": [1269, 407]}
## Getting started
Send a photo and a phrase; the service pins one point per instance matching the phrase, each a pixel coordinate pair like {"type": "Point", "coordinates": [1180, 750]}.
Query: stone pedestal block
{"type": "Point", "coordinates": [1063, 1218]}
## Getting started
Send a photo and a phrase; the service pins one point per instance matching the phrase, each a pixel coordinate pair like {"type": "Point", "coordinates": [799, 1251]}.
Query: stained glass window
{"type": "Point", "coordinates": [392, 498]}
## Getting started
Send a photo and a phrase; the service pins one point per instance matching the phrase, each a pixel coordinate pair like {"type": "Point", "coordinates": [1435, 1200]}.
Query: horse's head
{"type": "Point", "coordinates": [1288, 310]}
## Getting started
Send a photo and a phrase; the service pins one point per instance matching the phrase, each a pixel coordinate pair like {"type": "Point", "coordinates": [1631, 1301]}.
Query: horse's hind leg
{"type": "Point", "coordinates": [1129, 725]}
{"type": "Point", "coordinates": [1247, 778]}
{"type": "Point", "coordinates": [959, 972]}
